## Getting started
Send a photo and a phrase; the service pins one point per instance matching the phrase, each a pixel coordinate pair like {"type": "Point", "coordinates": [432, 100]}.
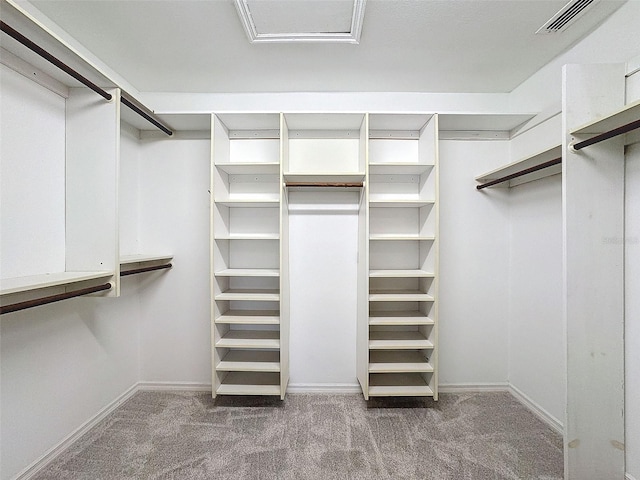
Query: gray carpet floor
{"type": "Point", "coordinates": [160, 435]}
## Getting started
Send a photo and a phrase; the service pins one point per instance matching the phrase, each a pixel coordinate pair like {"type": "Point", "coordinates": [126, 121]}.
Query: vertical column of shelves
{"type": "Point", "coordinates": [245, 255]}
{"type": "Point", "coordinates": [403, 258]}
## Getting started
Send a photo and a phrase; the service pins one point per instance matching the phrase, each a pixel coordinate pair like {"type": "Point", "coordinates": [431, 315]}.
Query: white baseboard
{"type": "Point", "coordinates": [174, 387]}
{"type": "Point", "coordinates": [324, 388]}
{"type": "Point", "coordinates": [472, 387]}
{"type": "Point", "coordinates": [536, 409]}
{"type": "Point", "coordinates": [66, 442]}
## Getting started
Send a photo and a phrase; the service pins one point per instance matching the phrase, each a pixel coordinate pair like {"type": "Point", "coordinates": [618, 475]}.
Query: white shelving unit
{"type": "Point", "coordinates": [397, 339]}
{"type": "Point", "coordinates": [249, 324]}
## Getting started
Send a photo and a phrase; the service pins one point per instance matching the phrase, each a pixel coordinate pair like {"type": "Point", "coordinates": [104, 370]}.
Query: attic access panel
{"type": "Point", "coordinates": [302, 20]}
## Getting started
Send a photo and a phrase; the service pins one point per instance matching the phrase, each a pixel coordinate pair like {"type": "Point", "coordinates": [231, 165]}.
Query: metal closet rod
{"type": "Point", "coordinates": [607, 135]}
{"type": "Point", "coordinates": [145, 269]}
{"type": "Point", "coordinates": [14, 307]}
{"type": "Point", "coordinates": [324, 184]}
{"type": "Point", "coordinates": [82, 79]}
{"type": "Point", "coordinates": [526, 171]}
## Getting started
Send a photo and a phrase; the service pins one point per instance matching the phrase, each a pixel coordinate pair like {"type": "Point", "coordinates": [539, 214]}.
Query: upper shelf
{"type": "Point", "coordinates": [239, 168]}
{"type": "Point", "coordinates": [324, 177]}
{"type": "Point", "coordinates": [629, 114]}
{"type": "Point", "coordinates": [399, 168]}
{"type": "Point", "coordinates": [522, 165]}
{"type": "Point", "coordinates": [35, 282]}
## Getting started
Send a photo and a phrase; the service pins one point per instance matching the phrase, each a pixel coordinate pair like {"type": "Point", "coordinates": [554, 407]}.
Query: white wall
{"type": "Point", "coordinates": [174, 218]}
{"type": "Point", "coordinates": [474, 283]}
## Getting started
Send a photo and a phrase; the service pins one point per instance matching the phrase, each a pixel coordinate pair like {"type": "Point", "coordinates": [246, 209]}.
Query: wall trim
{"type": "Point", "coordinates": [174, 387]}
{"type": "Point", "coordinates": [55, 451]}
{"type": "Point", "coordinates": [324, 388]}
{"type": "Point", "coordinates": [473, 387]}
{"type": "Point", "coordinates": [536, 409]}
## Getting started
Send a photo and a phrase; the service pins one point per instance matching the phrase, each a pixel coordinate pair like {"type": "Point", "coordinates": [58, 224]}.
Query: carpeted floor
{"type": "Point", "coordinates": [159, 435]}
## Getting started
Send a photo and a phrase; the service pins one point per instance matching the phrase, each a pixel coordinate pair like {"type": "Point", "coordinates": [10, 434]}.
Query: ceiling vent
{"type": "Point", "coordinates": [566, 16]}
{"type": "Point", "coordinates": [334, 21]}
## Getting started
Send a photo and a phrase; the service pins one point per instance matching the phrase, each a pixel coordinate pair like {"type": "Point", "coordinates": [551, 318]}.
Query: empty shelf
{"type": "Point", "coordinates": [260, 295]}
{"type": "Point", "coordinates": [262, 168]}
{"type": "Point", "coordinates": [250, 317]}
{"type": "Point", "coordinates": [398, 168]}
{"type": "Point", "coordinates": [144, 258]}
{"type": "Point", "coordinates": [400, 273]}
{"type": "Point", "coordinates": [35, 282]}
{"type": "Point", "coordinates": [399, 296]}
{"type": "Point", "coordinates": [248, 272]}
{"type": "Point", "coordinates": [390, 361]}
{"type": "Point", "coordinates": [250, 339]}
{"type": "Point", "coordinates": [250, 383]}
{"type": "Point", "coordinates": [398, 384]}
{"type": "Point", "coordinates": [399, 318]}
{"type": "Point", "coordinates": [398, 340]}
{"type": "Point", "coordinates": [400, 203]}
{"type": "Point", "coordinates": [400, 237]}
{"type": "Point", "coordinates": [250, 361]}
{"type": "Point", "coordinates": [249, 203]}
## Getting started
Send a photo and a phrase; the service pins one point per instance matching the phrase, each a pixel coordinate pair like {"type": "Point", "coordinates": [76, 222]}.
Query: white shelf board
{"type": "Point", "coordinates": [36, 282]}
{"type": "Point", "coordinates": [386, 317]}
{"type": "Point", "coordinates": [250, 383]}
{"type": "Point", "coordinates": [398, 168]}
{"type": "Point", "coordinates": [399, 237]}
{"type": "Point", "coordinates": [389, 122]}
{"type": "Point", "coordinates": [253, 168]}
{"type": "Point", "coordinates": [324, 177]}
{"type": "Point", "coordinates": [523, 164]}
{"type": "Point", "coordinates": [258, 295]}
{"type": "Point", "coordinates": [398, 384]}
{"type": "Point", "coordinates": [248, 272]}
{"type": "Point", "coordinates": [250, 339]}
{"type": "Point", "coordinates": [400, 274]}
{"type": "Point", "coordinates": [324, 121]}
{"type": "Point", "coordinates": [144, 258]}
{"type": "Point", "coordinates": [250, 317]}
{"type": "Point", "coordinates": [399, 296]}
{"type": "Point", "coordinates": [400, 203]}
{"type": "Point", "coordinates": [250, 361]}
{"type": "Point", "coordinates": [398, 340]}
{"type": "Point", "coordinates": [627, 114]}
{"type": "Point", "coordinates": [249, 236]}
{"type": "Point", "coordinates": [493, 122]}
{"type": "Point", "coordinates": [249, 203]}
{"type": "Point", "coordinates": [391, 361]}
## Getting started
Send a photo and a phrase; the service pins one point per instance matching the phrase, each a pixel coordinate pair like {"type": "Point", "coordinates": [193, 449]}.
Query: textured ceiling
{"type": "Point", "coordinates": [406, 45]}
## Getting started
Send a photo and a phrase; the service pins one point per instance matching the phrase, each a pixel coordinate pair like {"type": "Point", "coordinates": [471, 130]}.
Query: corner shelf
{"type": "Point", "coordinates": [523, 164]}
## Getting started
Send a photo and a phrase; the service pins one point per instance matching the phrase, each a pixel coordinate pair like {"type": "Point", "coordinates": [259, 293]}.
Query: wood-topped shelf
{"type": "Point", "coordinates": [253, 168]}
{"type": "Point", "coordinates": [249, 317]}
{"type": "Point", "coordinates": [390, 361]}
{"type": "Point", "coordinates": [13, 285]}
{"type": "Point", "coordinates": [524, 164]}
{"type": "Point", "coordinates": [399, 168]}
{"type": "Point", "coordinates": [398, 384]}
{"type": "Point", "coordinates": [250, 361]}
{"type": "Point", "coordinates": [250, 383]}
{"type": "Point", "coordinates": [264, 295]}
{"type": "Point", "coordinates": [250, 339]}
{"type": "Point", "coordinates": [398, 340]}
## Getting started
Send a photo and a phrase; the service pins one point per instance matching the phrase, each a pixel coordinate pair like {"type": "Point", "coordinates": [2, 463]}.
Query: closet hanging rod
{"type": "Point", "coordinates": [147, 116]}
{"type": "Point", "coordinates": [526, 171]}
{"type": "Point", "coordinates": [82, 79]}
{"type": "Point", "coordinates": [606, 135]}
{"type": "Point", "coordinates": [51, 59]}
{"type": "Point", "coordinates": [145, 269]}
{"type": "Point", "coordinates": [324, 184]}
{"type": "Point", "coordinates": [14, 307]}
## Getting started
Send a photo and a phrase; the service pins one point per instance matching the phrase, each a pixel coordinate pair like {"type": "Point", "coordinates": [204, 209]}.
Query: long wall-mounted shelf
{"type": "Point", "coordinates": [620, 122]}
{"type": "Point", "coordinates": [10, 286]}
{"type": "Point", "coordinates": [535, 167]}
